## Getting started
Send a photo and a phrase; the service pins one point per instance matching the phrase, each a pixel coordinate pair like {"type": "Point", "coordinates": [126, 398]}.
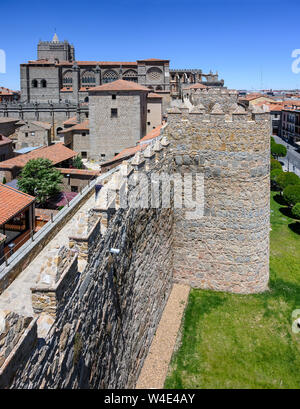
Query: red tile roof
{"type": "Point", "coordinates": [56, 153]}
{"type": "Point", "coordinates": [71, 121]}
{"type": "Point", "coordinates": [100, 63]}
{"type": "Point", "coordinates": [198, 85]}
{"type": "Point", "coordinates": [84, 172]}
{"type": "Point", "coordinates": [12, 202]}
{"type": "Point", "coordinates": [4, 140]}
{"type": "Point", "coordinates": [154, 95]}
{"type": "Point", "coordinates": [152, 134]}
{"type": "Point", "coordinates": [83, 126]}
{"type": "Point", "coordinates": [128, 152]}
{"type": "Point", "coordinates": [154, 60]}
{"type": "Point", "coordinates": [7, 91]}
{"type": "Point", "coordinates": [120, 85]}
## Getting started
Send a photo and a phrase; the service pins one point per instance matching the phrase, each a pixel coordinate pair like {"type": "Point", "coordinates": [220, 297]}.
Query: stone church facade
{"type": "Point", "coordinates": [55, 76]}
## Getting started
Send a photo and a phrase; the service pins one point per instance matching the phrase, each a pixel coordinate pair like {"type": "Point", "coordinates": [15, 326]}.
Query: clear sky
{"type": "Point", "coordinates": [249, 42]}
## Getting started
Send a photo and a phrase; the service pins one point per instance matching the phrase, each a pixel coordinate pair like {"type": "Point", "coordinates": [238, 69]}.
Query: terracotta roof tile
{"type": "Point", "coordinates": [71, 121]}
{"type": "Point", "coordinates": [56, 153]}
{"type": "Point", "coordinates": [12, 202]}
{"type": "Point", "coordinates": [84, 172]}
{"type": "Point", "coordinates": [152, 134]}
{"type": "Point", "coordinates": [83, 126]}
{"type": "Point", "coordinates": [4, 140]}
{"type": "Point", "coordinates": [197, 86]}
{"type": "Point", "coordinates": [154, 95]}
{"type": "Point", "coordinates": [120, 85]}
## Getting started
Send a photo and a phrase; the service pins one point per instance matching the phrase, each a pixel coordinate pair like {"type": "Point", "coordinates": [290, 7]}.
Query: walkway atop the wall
{"type": "Point", "coordinates": [17, 297]}
{"type": "Point", "coordinates": [156, 365]}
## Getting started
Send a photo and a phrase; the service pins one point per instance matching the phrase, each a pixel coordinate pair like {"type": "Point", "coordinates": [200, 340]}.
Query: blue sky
{"type": "Point", "coordinates": [248, 42]}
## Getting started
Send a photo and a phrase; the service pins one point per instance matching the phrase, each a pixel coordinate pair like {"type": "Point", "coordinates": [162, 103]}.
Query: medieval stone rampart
{"type": "Point", "coordinates": [98, 300]}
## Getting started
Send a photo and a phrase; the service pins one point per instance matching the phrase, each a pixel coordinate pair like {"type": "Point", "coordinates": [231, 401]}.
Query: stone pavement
{"type": "Point", "coordinates": [156, 365]}
{"type": "Point", "coordinates": [17, 297]}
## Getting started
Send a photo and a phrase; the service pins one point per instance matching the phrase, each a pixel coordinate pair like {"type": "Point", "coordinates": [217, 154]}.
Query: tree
{"type": "Point", "coordinates": [291, 194]}
{"type": "Point", "coordinates": [278, 150]}
{"type": "Point", "coordinates": [296, 210]}
{"type": "Point", "coordinates": [40, 179]}
{"type": "Point", "coordinates": [273, 176]}
{"type": "Point", "coordinates": [275, 164]}
{"type": "Point", "coordinates": [4, 180]}
{"type": "Point", "coordinates": [287, 178]}
{"type": "Point", "coordinates": [77, 162]}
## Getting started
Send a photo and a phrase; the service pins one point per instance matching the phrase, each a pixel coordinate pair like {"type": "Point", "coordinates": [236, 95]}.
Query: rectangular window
{"type": "Point", "coordinates": [102, 155]}
{"type": "Point", "coordinates": [83, 134]}
{"type": "Point", "coordinates": [74, 189]}
{"type": "Point", "coordinates": [113, 97]}
{"type": "Point", "coordinates": [26, 134]}
{"type": "Point", "coordinates": [148, 123]}
{"type": "Point", "coordinates": [114, 113]}
{"type": "Point", "coordinates": [148, 111]}
{"type": "Point", "coordinates": [84, 155]}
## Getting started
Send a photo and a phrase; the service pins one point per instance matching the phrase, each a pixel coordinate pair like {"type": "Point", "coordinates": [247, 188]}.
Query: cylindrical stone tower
{"type": "Point", "coordinates": [228, 248]}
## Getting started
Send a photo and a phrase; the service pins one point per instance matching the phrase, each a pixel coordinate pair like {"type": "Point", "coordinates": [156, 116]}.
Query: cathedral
{"type": "Point", "coordinates": [57, 77]}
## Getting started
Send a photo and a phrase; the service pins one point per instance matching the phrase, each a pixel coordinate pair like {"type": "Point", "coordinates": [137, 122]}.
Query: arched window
{"type": "Point", "coordinates": [88, 79]}
{"type": "Point", "coordinates": [110, 76]}
{"type": "Point", "coordinates": [67, 79]}
{"type": "Point", "coordinates": [154, 75]}
{"type": "Point", "coordinates": [58, 130]}
{"type": "Point", "coordinates": [130, 75]}
{"type": "Point", "coordinates": [34, 83]}
{"type": "Point", "coordinates": [43, 83]}
{"type": "Point", "coordinates": [86, 99]}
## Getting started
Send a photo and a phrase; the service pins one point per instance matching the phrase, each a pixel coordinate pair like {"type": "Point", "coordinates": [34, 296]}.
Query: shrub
{"type": "Point", "coordinates": [278, 150]}
{"type": "Point", "coordinates": [273, 176]}
{"type": "Point", "coordinates": [296, 210]}
{"type": "Point", "coordinates": [291, 194]}
{"type": "Point", "coordinates": [77, 162]}
{"type": "Point", "coordinates": [4, 180]}
{"type": "Point", "coordinates": [275, 164]}
{"type": "Point", "coordinates": [287, 178]}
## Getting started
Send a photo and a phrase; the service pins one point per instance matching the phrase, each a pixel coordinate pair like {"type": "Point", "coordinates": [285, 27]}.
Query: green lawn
{"type": "Point", "coordinates": [245, 341]}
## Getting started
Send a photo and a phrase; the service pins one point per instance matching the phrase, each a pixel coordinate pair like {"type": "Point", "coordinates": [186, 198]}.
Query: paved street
{"type": "Point", "coordinates": [292, 160]}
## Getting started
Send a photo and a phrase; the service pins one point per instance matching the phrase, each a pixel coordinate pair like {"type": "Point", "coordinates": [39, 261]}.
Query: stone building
{"type": "Point", "coordinates": [6, 148]}
{"type": "Point", "coordinates": [7, 95]}
{"type": "Point", "coordinates": [31, 134]}
{"type": "Point", "coordinates": [290, 124]}
{"type": "Point", "coordinates": [154, 111]}
{"type": "Point", "coordinates": [77, 137]}
{"type": "Point", "coordinates": [8, 126]}
{"type": "Point", "coordinates": [118, 114]}
{"type": "Point", "coordinates": [57, 77]}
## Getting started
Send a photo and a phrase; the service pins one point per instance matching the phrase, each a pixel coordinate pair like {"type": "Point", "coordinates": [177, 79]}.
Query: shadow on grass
{"type": "Point", "coordinates": [279, 199]}
{"type": "Point", "coordinates": [295, 227]}
{"type": "Point", "coordinates": [286, 211]}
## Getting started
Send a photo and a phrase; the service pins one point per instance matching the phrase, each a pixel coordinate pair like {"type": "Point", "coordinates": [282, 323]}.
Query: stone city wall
{"type": "Point", "coordinates": [110, 308]}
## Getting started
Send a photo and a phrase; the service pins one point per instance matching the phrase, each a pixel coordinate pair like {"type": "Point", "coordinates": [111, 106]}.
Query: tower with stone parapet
{"type": "Point", "coordinates": [55, 50]}
{"type": "Point", "coordinates": [228, 248]}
